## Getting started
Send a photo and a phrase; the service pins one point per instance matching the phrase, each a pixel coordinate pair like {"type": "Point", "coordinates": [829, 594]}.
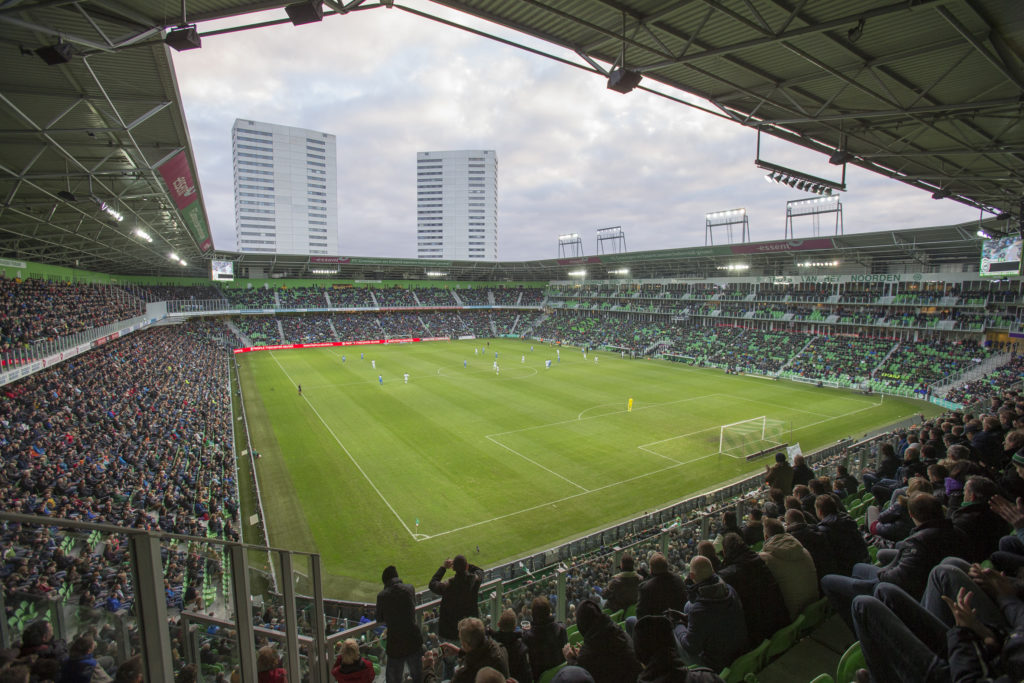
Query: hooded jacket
{"type": "Point", "coordinates": [606, 652]}
{"type": "Point", "coordinates": [544, 640]}
{"type": "Point", "coordinates": [359, 671]}
{"type": "Point", "coordinates": [793, 569]}
{"type": "Point", "coordinates": [757, 589]}
{"type": "Point", "coordinates": [396, 608]}
{"type": "Point", "coordinates": [716, 629]}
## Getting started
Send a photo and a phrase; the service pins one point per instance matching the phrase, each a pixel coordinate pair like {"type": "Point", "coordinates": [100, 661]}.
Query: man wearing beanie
{"type": "Point", "coordinates": [396, 609]}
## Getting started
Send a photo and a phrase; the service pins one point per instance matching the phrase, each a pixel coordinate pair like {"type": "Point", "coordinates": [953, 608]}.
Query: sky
{"type": "Point", "coordinates": [573, 156]}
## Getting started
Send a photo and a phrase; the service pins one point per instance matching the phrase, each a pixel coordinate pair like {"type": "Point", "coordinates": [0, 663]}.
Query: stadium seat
{"type": "Point", "coordinates": [823, 678]}
{"type": "Point", "coordinates": [575, 638]}
{"type": "Point", "coordinates": [784, 638]}
{"type": "Point", "coordinates": [746, 664]}
{"type": "Point", "coordinates": [851, 660]}
{"type": "Point", "coordinates": [631, 611]}
{"type": "Point", "coordinates": [572, 629]}
{"type": "Point", "coordinates": [814, 614]}
{"type": "Point", "coordinates": [547, 675]}
{"type": "Point", "coordinates": [617, 616]}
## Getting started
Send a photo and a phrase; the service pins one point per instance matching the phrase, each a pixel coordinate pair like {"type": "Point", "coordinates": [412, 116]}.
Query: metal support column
{"type": "Point", "coordinates": [150, 605]}
{"type": "Point", "coordinates": [240, 592]}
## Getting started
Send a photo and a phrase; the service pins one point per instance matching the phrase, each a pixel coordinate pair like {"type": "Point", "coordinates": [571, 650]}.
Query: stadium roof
{"type": "Point", "coordinates": [928, 92]}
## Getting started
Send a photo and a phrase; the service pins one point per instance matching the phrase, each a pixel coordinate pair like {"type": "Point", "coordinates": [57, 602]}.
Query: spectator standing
{"type": "Point", "coordinates": [780, 475]}
{"type": "Point", "coordinates": [458, 594]}
{"type": "Point", "coordinates": [396, 609]}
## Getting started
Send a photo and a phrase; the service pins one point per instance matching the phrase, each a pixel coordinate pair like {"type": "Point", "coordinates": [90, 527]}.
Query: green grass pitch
{"type": "Point", "coordinates": [512, 462]}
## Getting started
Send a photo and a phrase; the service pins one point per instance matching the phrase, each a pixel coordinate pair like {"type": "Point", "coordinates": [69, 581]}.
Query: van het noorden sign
{"type": "Point", "coordinates": [857, 277]}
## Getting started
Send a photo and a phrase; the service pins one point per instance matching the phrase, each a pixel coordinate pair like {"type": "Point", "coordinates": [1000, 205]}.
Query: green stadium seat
{"type": "Point", "coordinates": [823, 678]}
{"type": "Point", "coordinates": [547, 675]}
{"type": "Point", "coordinates": [618, 616]}
{"type": "Point", "coordinates": [785, 638]}
{"type": "Point", "coordinates": [631, 611]}
{"type": "Point", "coordinates": [814, 614]}
{"type": "Point", "coordinates": [572, 629]}
{"type": "Point", "coordinates": [747, 664]}
{"type": "Point", "coordinates": [851, 660]}
{"type": "Point", "coordinates": [575, 638]}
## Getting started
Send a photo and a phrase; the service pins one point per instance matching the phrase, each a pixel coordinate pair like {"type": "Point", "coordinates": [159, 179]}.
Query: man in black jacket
{"type": "Point", "coordinates": [664, 590]}
{"type": "Point", "coordinates": [458, 595]}
{"type": "Point", "coordinates": [933, 539]}
{"type": "Point", "coordinates": [396, 609]}
{"type": "Point", "coordinates": [848, 546]}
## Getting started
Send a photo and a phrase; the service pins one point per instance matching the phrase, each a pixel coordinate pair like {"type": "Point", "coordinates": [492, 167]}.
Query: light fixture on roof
{"type": "Point", "coordinates": [142, 234]}
{"type": "Point", "coordinates": [67, 196]}
{"type": "Point", "coordinates": [840, 157]}
{"type": "Point", "coordinates": [185, 37]}
{"type": "Point", "coordinates": [577, 273]}
{"type": "Point", "coordinates": [307, 12]}
{"type": "Point", "coordinates": [985, 234]}
{"type": "Point", "coordinates": [58, 53]}
{"type": "Point", "coordinates": [623, 80]}
{"type": "Point", "coordinates": [854, 34]}
{"type": "Point", "coordinates": [941, 193]}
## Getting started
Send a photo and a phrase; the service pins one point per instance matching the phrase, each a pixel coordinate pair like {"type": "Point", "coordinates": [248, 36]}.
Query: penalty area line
{"type": "Point", "coordinates": [358, 467]}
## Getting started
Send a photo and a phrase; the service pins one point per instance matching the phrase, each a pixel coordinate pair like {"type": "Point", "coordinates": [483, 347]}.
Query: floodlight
{"type": "Point", "coordinates": [142, 234]}
{"type": "Point", "coordinates": [984, 233]}
{"type": "Point", "coordinates": [182, 262]}
{"type": "Point", "coordinates": [623, 80]}
{"type": "Point", "coordinates": [307, 12]}
{"type": "Point", "coordinates": [941, 193]}
{"type": "Point", "coordinates": [67, 196]}
{"type": "Point", "coordinates": [840, 157]}
{"type": "Point", "coordinates": [184, 38]}
{"type": "Point", "coordinates": [577, 273]}
{"type": "Point", "coordinates": [58, 53]}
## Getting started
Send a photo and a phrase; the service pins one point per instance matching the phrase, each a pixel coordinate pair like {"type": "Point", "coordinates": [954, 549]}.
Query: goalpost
{"type": "Point", "coordinates": [740, 439]}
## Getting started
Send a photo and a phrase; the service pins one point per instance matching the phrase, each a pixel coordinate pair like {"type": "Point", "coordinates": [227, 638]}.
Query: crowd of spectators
{"type": "Point", "coordinates": [151, 293]}
{"type": "Point", "coordinates": [394, 297]}
{"type": "Point", "coordinates": [260, 329]}
{"type": "Point", "coordinates": [251, 297]}
{"type": "Point", "coordinates": [135, 434]}
{"type": "Point", "coordinates": [926, 362]}
{"type": "Point", "coordinates": [434, 296]}
{"type": "Point", "coordinates": [302, 297]}
{"type": "Point", "coordinates": [992, 384]}
{"type": "Point", "coordinates": [33, 311]}
{"type": "Point", "coordinates": [352, 297]}
{"type": "Point", "coordinates": [307, 329]}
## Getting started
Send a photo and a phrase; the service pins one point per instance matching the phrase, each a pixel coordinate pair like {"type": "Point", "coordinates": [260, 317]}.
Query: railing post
{"type": "Point", "coordinates": [616, 557]}
{"type": "Point", "coordinates": [241, 591]}
{"type": "Point", "coordinates": [323, 668]}
{"type": "Point", "coordinates": [499, 589]}
{"type": "Point", "coordinates": [663, 537]}
{"type": "Point", "coordinates": [561, 608]}
{"type": "Point", "coordinates": [151, 606]}
{"type": "Point", "coordinates": [5, 633]}
{"type": "Point", "coordinates": [57, 619]}
{"type": "Point", "coordinates": [290, 617]}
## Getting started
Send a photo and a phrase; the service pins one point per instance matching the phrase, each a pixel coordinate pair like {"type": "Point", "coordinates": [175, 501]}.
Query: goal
{"type": "Point", "coordinates": [740, 439]}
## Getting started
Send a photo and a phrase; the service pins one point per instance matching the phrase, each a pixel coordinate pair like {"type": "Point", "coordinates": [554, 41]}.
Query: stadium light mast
{"type": "Point", "coordinates": [726, 219]}
{"type": "Point", "coordinates": [570, 245]}
{"type": "Point", "coordinates": [814, 207]}
{"type": "Point", "coordinates": [616, 235]}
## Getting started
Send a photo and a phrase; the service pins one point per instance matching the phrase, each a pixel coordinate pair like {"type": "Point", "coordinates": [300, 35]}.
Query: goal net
{"type": "Point", "coordinates": [740, 439]}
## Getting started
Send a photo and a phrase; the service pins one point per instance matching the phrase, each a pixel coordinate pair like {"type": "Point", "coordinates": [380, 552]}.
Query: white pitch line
{"type": "Point", "coordinates": [331, 432]}
{"type": "Point", "coordinates": [624, 481]}
{"type": "Point", "coordinates": [617, 412]}
{"type": "Point", "coordinates": [534, 462]}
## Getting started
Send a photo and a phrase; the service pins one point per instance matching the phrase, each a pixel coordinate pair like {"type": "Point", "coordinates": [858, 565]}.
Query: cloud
{"type": "Point", "coordinates": [571, 154]}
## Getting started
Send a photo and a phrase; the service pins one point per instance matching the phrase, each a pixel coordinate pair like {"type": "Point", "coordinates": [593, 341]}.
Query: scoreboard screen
{"type": "Point", "coordinates": [222, 270]}
{"type": "Point", "coordinates": [1001, 257]}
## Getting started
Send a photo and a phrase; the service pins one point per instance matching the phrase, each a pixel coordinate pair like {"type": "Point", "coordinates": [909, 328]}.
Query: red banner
{"type": "Point", "coordinates": [284, 347]}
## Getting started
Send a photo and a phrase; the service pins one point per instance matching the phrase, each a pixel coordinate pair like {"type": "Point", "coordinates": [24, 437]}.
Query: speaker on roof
{"type": "Point", "coordinates": [306, 12]}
